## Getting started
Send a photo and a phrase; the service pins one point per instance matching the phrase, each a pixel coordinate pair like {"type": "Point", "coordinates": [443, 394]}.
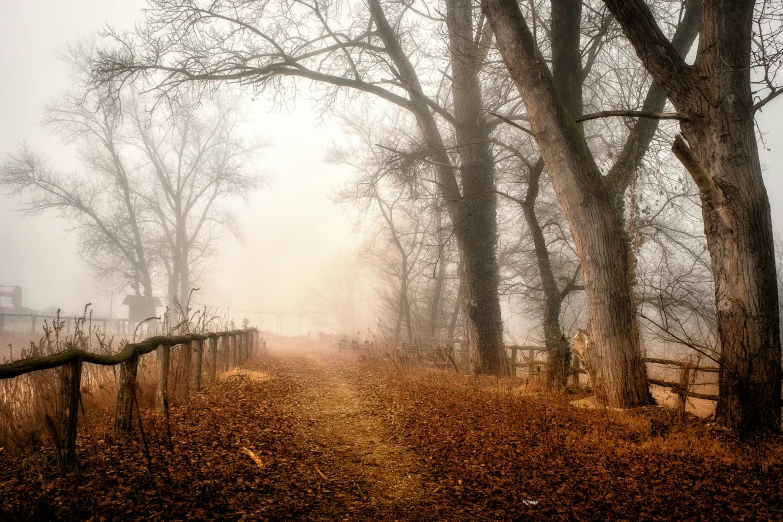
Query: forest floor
{"type": "Point", "coordinates": [313, 434]}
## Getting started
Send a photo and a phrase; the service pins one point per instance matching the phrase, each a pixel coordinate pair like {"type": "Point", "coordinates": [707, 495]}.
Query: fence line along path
{"type": "Point", "coordinates": [238, 346]}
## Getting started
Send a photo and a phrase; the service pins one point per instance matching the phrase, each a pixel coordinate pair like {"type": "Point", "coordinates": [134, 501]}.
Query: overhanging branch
{"type": "Point", "coordinates": [634, 114]}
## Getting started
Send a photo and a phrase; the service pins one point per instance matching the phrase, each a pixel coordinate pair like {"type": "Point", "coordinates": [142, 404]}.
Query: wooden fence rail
{"type": "Point", "coordinates": [688, 371]}
{"type": "Point", "coordinates": [681, 389]}
{"type": "Point", "coordinates": [245, 343]}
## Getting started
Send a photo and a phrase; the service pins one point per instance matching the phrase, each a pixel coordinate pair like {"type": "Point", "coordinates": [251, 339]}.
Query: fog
{"type": "Point", "coordinates": [293, 231]}
{"type": "Point", "coordinates": [291, 228]}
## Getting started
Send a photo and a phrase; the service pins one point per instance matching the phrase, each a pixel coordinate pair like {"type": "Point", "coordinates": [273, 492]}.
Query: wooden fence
{"type": "Point", "coordinates": [238, 346]}
{"type": "Point", "coordinates": [681, 389]}
{"type": "Point", "coordinates": [688, 373]}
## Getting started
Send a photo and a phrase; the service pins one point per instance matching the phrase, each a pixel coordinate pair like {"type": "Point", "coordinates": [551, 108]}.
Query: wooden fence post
{"type": "Point", "coordinates": [123, 421]}
{"type": "Point", "coordinates": [70, 395]}
{"type": "Point", "coordinates": [198, 348]}
{"type": "Point", "coordinates": [213, 353]}
{"type": "Point", "coordinates": [685, 377]}
{"type": "Point", "coordinates": [513, 361]}
{"type": "Point", "coordinates": [2, 321]}
{"type": "Point", "coordinates": [227, 351]}
{"type": "Point", "coordinates": [234, 357]}
{"type": "Point", "coordinates": [187, 367]}
{"type": "Point", "coordinates": [162, 395]}
{"type": "Point", "coordinates": [32, 327]}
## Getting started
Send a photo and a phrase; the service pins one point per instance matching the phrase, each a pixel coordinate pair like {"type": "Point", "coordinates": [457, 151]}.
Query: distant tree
{"type": "Point", "coordinates": [370, 52]}
{"type": "Point", "coordinates": [340, 299]}
{"type": "Point", "coordinates": [149, 204]}
{"type": "Point", "coordinates": [193, 163]}
{"type": "Point", "coordinates": [101, 204]}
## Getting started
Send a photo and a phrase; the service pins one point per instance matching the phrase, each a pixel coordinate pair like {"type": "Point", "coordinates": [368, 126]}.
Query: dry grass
{"type": "Point", "coordinates": [29, 403]}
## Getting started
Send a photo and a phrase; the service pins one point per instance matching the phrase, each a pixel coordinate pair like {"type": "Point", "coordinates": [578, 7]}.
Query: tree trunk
{"type": "Point", "coordinates": [721, 155]}
{"type": "Point", "coordinates": [620, 376]}
{"type": "Point", "coordinates": [437, 291]}
{"type": "Point", "coordinates": [401, 302]}
{"type": "Point", "coordinates": [184, 281]}
{"type": "Point", "coordinates": [557, 346]}
{"type": "Point", "coordinates": [477, 230]}
{"type": "Point", "coordinates": [472, 213]}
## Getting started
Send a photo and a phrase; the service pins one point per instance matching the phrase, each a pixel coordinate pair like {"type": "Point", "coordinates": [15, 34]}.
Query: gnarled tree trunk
{"type": "Point", "coordinates": [620, 378]}
{"type": "Point", "coordinates": [714, 97]}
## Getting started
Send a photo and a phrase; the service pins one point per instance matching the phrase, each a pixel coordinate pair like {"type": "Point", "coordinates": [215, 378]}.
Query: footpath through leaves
{"type": "Point", "coordinates": [317, 435]}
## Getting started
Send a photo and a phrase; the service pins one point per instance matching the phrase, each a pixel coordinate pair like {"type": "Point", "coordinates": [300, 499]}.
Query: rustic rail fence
{"type": "Point", "coordinates": [526, 357]}
{"type": "Point", "coordinates": [239, 345]}
{"type": "Point", "coordinates": [688, 371]}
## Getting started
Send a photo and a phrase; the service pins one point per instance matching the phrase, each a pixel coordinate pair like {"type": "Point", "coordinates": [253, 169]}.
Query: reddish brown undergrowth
{"type": "Point", "coordinates": [499, 455]}
{"type": "Point", "coordinates": [341, 438]}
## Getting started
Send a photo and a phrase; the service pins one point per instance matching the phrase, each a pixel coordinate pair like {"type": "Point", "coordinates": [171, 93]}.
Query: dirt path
{"type": "Point", "coordinates": [353, 449]}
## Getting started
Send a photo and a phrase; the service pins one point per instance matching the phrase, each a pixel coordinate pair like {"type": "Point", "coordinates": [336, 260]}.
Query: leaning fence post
{"type": "Point", "coordinates": [685, 377]}
{"type": "Point", "coordinates": [162, 392]}
{"type": "Point", "coordinates": [198, 348]}
{"type": "Point", "coordinates": [123, 422]}
{"type": "Point", "coordinates": [531, 357]}
{"type": "Point", "coordinates": [70, 395]}
{"type": "Point", "coordinates": [187, 367]}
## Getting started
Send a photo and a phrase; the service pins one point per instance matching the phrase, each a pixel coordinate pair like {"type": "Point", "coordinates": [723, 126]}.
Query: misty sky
{"type": "Point", "coordinates": [291, 228]}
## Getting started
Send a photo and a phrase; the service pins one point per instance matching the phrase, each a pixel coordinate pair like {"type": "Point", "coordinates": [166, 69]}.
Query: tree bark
{"type": "Point", "coordinates": [619, 374]}
{"type": "Point", "coordinates": [434, 327]}
{"type": "Point", "coordinates": [721, 155]}
{"type": "Point", "coordinates": [472, 213]}
{"type": "Point", "coordinates": [477, 229]}
{"type": "Point", "coordinates": [557, 346]}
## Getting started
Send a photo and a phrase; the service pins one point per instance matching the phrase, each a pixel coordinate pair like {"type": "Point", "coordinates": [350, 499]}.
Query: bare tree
{"type": "Point", "coordinates": [716, 107]}
{"type": "Point", "coordinates": [261, 44]}
{"type": "Point", "coordinates": [195, 161]}
{"type": "Point", "coordinates": [149, 205]}
{"type": "Point", "coordinates": [554, 101]}
{"type": "Point", "coordinates": [113, 225]}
